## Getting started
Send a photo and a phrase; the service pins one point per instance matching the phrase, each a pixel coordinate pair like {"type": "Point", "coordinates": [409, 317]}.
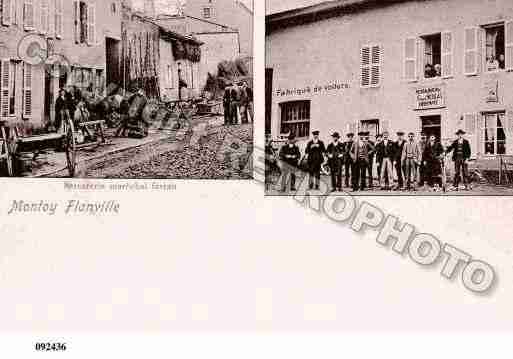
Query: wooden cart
{"type": "Point", "coordinates": [70, 139]}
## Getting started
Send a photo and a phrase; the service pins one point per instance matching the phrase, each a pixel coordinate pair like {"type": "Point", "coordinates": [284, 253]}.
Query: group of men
{"type": "Point", "coordinates": [414, 163]}
{"type": "Point", "coordinates": [238, 104]}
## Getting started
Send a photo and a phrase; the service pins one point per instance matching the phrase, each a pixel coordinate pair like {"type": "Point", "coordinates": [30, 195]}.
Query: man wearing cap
{"type": "Point", "coordinates": [399, 147]}
{"type": "Point", "coordinates": [360, 156]}
{"type": "Point", "coordinates": [348, 161]}
{"type": "Point", "coordinates": [461, 153]}
{"type": "Point", "coordinates": [335, 153]}
{"type": "Point", "coordinates": [314, 152]}
{"type": "Point", "coordinates": [372, 147]}
{"type": "Point", "coordinates": [422, 169]}
{"type": "Point", "coordinates": [433, 154]}
{"type": "Point", "coordinates": [289, 155]}
{"type": "Point", "coordinates": [379, 159]}
{"type": "Point", "coordinates": [386, 152]}
{"type": "Point", "coordinates": [410, 159]}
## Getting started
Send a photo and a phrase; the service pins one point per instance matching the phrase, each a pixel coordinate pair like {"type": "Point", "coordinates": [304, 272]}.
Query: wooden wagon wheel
{"type": "Point", "coordinates": [9, 158]}
{"type": "Point", "coordinates": [70, 147]}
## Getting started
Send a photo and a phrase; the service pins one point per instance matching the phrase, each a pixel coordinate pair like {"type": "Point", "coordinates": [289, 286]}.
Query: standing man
{"type": "Point", "coordinates": [399, 146]}
{"type": "Point", "coordinates": [243, 104]}
{"type": "Point", "coordinates": [60, 110]}
{"type": "Point", "coordinates": [335, 153]}
{"type": "Point", "coordinates": [348, 162]}
{"type": "Point", "coordinates": [370, 165]}
{"type": "Point", "coordinates": [234, 104]}
{"type": "Point", "coordinates": [315, 150]}
{"type": "Point", "coordinates": [289, 155]}
{"type": "Point", "coordinates": [461, 153]}
{"type": "Point", "coordinates": [431, 161]}
{"type": "Point", "coordinates": [379, 159]}
{"type": "Point", "coordinates": [181, 83]}
{"type": "Point", "coordinates": [360, 157]}
{"type": "Point", "coordinates": [226, 106]}
{"type": "Point", "coordinates": [422, 169]}
{"type": "Point", "coordinates": [410, 158]}
{"type": "Point", "coordinates": [249, 94]}
{"type": "Point", "coordinates": [386, 152]}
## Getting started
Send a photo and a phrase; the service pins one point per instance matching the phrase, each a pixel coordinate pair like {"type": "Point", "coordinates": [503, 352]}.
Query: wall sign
{"type": "Point", "coordinates": [429, 97]}
{"type": "Point", "coordinates": [492, 91]}
{"type": "Point", "coordinates": [312, 90]}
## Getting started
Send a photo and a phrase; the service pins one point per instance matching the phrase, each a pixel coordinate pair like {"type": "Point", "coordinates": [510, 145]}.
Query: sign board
{"type": "Point", "coordinates": [429, 97]}
{"type": "Point", "coordinates": [492, 91]}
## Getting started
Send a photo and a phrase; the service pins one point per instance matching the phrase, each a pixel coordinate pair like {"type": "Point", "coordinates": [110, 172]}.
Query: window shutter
{"type": "Point", "coordinates": [509, 45]}
{"type": "Point", "coordinates": [27, 90]}
{"type": "Point", "coordinates": [447, 54]}
{"type": "Point", "coordinates": [470, 123]}
{"type": "Point", "coordinates": [91, 24]}
{"type": "Point", "coordinates": [76, 16]}
{"type": "Point", "coordinates": [7, 12]}
{"type": "Point", "coordinates": [44, 14]}
{"type": "Point", "coordinates": [471, 51]}
{"type": "Point", "coordinates": [59, 20]}
{"type": "Point", "coordinates": [29, 17]}
{"type": "Point", "coordinates": [375, 66]}
{"type": "Point", "coordinates": [410, 59]}
{"type": "Point", "coordinates": [4, 87]}
{"type": "Point", "coordinates": [365, 66]}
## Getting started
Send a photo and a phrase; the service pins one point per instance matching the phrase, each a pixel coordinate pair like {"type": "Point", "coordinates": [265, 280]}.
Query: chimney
{"type": "Point", "coordinates": [149, 8]}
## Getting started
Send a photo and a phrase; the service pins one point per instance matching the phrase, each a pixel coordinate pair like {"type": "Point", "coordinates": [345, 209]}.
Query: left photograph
{"type": "Point", "coordinates": [129, 89]}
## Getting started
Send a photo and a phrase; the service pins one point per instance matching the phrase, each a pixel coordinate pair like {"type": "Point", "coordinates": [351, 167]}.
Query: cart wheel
{"type": "Point", "coordinates": [70, 148]}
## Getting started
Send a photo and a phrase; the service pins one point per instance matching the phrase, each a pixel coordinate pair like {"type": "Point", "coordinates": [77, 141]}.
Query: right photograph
{"type": "Point", "coordinates": [389, 98]}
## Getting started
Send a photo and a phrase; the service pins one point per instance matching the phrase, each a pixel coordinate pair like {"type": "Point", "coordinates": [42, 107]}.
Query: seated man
{"type": "Point", "coordinates": [438, 70]}
{"type": "Point", "coordinates": [428, 71]}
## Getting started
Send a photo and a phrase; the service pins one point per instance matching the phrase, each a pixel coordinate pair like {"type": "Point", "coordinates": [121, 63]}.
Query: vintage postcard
{"type": "Point", "coordinates": [126, 89]}
{"type": "Point", "coordinates": [389, 97]}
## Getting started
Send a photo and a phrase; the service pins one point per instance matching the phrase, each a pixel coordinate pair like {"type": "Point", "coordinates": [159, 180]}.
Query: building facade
{"type": "Point", "coordinates": [49, 44]}
{"type": "Point", "coordinates": [434, 66]}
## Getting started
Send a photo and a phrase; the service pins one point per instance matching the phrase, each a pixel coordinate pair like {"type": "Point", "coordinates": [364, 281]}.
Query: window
{"type": "Point", "coordinates": [45, 17]}
{"type": "Point", "coordinates": [494, 134]}
{"type": "Point", "coordinates": [495, 47]}
{"type": "Point", "coordinates": [85, 23]}
{"type": "Point", "coordinates": [59, 18]}
{"type": "Point", "coordinates": [432, 56]}
{"type": "Point", "coordinates": [370, 125]}
{"type": "Point", "coordinates": [370, 66]}
{"type": "Point", "coordinates": [99, 82]}
{"type": "Point", "coordinates": [29, 18]}
{"type": "Point", "coordinates": [8, 12]}
{"type": "Point", "coordinates": [191, 70]}
{"type": "Point", "coordinates": [207, 12]}
{"type": "Point", "coordinates": [8, 87]}
{"type": "Point", "coordinates": [295, 118]}
{"type": "Point", "coordinates": [113, 7]}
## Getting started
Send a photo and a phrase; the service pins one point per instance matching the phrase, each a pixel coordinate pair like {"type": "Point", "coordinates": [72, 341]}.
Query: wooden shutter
{"type": "Point", "coordinates": [365, 59]}
{"type": "Point", "coordinates": [91, 24]}
{"type": "Point", "coordinates": [410, 59]}
{"type": "Point", "coordinates": [29, 16]}
{"type": "Point", "coordinates": [7, 12]}
{"type": "Point", "coordinates": [375, 66]}
{"type": "Point", "coordinates": [76, 17]}
{"type": "Point", "coordinates": [509, 45]}
{"type": "Point", "coordinates": [471, 51]}
{"type": "Point", "coordinates": [27, 90]}
{"type": "Point", "coordinates": [44, 16]}
{"type": "Point", "coordinates": [447, 54]}
{"type": "Point", "coordinates": [5, 72]}
{"type": "Point", "coordinates": [59, 18]}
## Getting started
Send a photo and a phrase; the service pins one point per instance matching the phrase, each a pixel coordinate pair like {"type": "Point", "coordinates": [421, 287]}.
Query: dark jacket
{"type": "Point", "coordinates": [336, 152]}
{"type": "Point", "coordinates": [356, 153]}
{"type": "Point", "coordinates": [387, 151]}
{"type": "Point", "coordinates": [398, 152]}
{"type": "Point", "coordinates": [347, 150]}
{"type": "Point", "coordinates": [431, 157]}
{"type": "Point", "coordinates": [466, 149]}
{"type": "Point", "coordinates": [286, 150]}
{"type": "Point", "coordinates": [315, 153]}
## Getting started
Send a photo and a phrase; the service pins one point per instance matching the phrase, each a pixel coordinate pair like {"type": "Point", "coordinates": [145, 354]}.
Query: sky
{"type": "Point", "coordinates": [167, 6]}
{"type": "Point", "coordinates": [273, 6]}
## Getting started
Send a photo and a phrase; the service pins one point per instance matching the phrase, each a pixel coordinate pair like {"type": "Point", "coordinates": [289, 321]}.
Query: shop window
{"type": "Point", "coordinates": [370, 63]}
{"type": "Point", "coordinates": [495, 47]}
{"type": "Point", "coordinates": [295, 118]}
{"type": "Point", "coordinates": [494, 134]}
{"type": "Point", "coordinates": [432, 55]}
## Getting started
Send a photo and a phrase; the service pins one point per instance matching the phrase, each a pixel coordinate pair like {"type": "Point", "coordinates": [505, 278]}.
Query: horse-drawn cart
{"type": "Point", "coordinates": [17, 146]}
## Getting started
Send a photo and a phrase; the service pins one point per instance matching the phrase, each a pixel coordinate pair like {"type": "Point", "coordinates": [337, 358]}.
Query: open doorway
{"type": "Point", "coordinates": [432, 125]}
{"type": "Point", "coordinates": [113, 62]}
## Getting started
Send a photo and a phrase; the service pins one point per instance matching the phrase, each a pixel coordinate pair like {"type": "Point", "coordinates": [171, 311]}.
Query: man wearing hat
{"type": "Point", "coordinates": [348, 161]}
{"type": "Point", "coordinates": [386, 152]}
{"type": "Point", "coordinates": [411, 158]}
{"type": "Point", "coordinates": [399, 147]}
{"type": "Point", "coordinates": [335, 153]}
{"type": "Point", "coordinates": [314, 152]}
{"type": "Point", "coordinates": [360, 156]}
{"type": "Point", "coordinates": [379, 159]}
{"type": "Point", "coordinates": [422, 169]}
{"type": "Point", "coordinates": [461, 153]}
{"type": "Point", "coordinates": [370, 164]}
{"type": "Point", "coordinates": [289, 155]}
